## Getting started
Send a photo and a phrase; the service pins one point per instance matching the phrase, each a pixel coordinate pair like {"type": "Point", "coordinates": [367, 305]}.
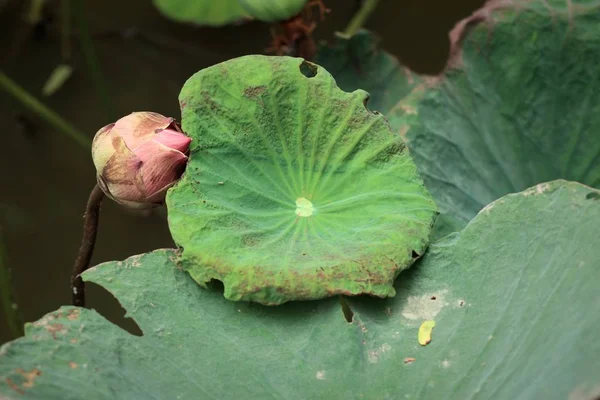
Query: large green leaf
{"type": "Point", "coordinates": [294, 190]}
{"type": "Point", "coordinates": [518, 104]}
{"type": "Point", "coordinates": [202, 12]}
{"type": "Point", "coordinates": [358, 62]}
{"type": "Point", "coordinates": [514, 297]}
{"type": "Point", "coordinates": [272, 10]}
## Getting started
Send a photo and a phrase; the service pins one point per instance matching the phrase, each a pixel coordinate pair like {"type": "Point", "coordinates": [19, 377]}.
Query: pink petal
{"type": "Point", "coordinates": [138, 205]}
{"type": "Point", "coordinates": [173, 139]}
{"type": "Point", "coordinates": [161, 166]}
{"type": "Point", "coordinates": [130, 204]}
{"type": "Point", "coordinates": [138, 127]}
{"type": "Point", "coordinates": [121, 174]}
{"type": "Point", "coordinates": [102, 148]}
{"type": "Point", "coordinates": [159, 197]}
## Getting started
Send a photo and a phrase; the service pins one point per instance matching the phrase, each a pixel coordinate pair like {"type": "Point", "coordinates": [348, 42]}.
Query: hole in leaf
{"type": "Point", "coordinates": [415, 255]}
{"type": "Point", "coordinates": [593, 196]}
{"type": "Point", "coordinates": [109, 307]}
{"type": "Point", "coordinates": [216, 285]}
{"type": "Point", "coordinates": [308, 70]}
{"type": "Point", "coordinates": [348, 313]}
{"type": "Point", "coordinates": [461, 303]}
{"type": "Point", "coordinates": [366, 105]}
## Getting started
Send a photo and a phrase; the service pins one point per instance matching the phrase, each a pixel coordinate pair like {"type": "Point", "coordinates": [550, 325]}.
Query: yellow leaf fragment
{"type": "Point", "coordinates": [425, 332]}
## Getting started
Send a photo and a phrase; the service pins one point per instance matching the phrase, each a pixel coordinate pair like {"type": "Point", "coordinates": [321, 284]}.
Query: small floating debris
{"type": "Point", "coordinates": [425, 332]}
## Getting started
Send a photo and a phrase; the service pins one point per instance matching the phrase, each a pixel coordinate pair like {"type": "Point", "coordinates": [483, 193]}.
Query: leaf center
{"type": "Point", "coordinates": [304, 208]}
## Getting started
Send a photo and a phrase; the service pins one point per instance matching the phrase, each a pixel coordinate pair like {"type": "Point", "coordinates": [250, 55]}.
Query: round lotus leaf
{"type": "Point", "coordinates": [202, 12]}
{"type": "Point", "coordinates": [294, 189]}
{"type": "Point", "coordinates": [272, 10]}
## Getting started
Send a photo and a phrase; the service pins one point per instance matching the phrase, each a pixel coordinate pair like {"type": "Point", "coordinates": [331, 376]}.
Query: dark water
{"type": "Point", "coordinates": [45, 178]}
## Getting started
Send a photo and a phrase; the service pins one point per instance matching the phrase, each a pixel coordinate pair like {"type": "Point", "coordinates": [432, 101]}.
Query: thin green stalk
{"type": "Point", "coordinates": [36, 8]}
{"type": "Point", "coordinates": [14, 318]}
{"type": "Point", "coordinates": [361, 16]}
{"type": "Point", "coordinates": [42, 111]}
{"type": "Point", "coordinates": [89, 53]}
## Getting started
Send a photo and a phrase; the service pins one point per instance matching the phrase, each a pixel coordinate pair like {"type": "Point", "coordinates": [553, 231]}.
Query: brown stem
{"type": "Point", "coordinates": [90, 229]}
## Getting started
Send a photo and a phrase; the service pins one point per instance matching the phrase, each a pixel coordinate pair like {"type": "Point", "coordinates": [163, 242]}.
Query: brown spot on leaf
{"type": "Point", "coordinates": [73, 365]}
{"type": "Point", "coordinates": [409, 360]}
{"type": "Point", "coordinates": [409, 109]}
{"type": "Point", "coordinates": [362, 326]}
{"type": "Point", "coordinates": [14, 386]}
{"type": "Point", "coordinates": [29, 376]}
{"type": "Point", "coordinates": [254, 91]}
{"type": "Point", "coordinates": [208, 100]}
{"type": "Point", "coordinates": [134, 261]}
{"type": "Point", "coordinates": [55, 328]}
{"type": "Point", "coordinates": [73, 314]}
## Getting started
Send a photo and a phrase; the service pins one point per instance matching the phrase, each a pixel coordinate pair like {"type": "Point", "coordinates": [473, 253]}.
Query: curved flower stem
{"type": "Point", "coordinates": [42, 111]}
{"type": "Point", "coordinates": [14, 318]}
{"type": "Point", "coordinates": [361, 16]}
{"type": "Point", "coordinates": [90, 229]}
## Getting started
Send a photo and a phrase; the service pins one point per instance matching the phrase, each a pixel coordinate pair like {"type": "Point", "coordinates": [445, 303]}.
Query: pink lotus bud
{"type": "Point", "coordinates": [139, 157]}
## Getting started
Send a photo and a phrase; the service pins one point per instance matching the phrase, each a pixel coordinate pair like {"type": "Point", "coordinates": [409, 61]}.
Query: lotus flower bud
{"type": "Point", "coordinates": [139, 157]}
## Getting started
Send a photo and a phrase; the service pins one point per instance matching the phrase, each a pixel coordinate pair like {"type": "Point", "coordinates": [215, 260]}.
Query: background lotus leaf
{"type": "Point", "coordinates": [203, 12]}
{"type": "Point", "coordinates": [514, 298]}
{"type": "Point", "coordinates": [272, 10]}
{"type": "Point", "coordinates": [223, 12]}
{"type": "Point", "coordinates": [518, 104]}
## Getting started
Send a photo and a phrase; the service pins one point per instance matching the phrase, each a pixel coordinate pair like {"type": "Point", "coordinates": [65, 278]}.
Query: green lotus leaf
{"type": "Point", "coordinates": [294, 189]}
{"type": "Point", "coordinates": [202, 12]}
{"type": "Point", "coordinates": [358, 62]}
{"type": "Point", "coordinates": [519, 104]}
{"type": "Point", "coordinates": [272, 10]}
{"type": "Point", "coordinates": [514, 298]}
